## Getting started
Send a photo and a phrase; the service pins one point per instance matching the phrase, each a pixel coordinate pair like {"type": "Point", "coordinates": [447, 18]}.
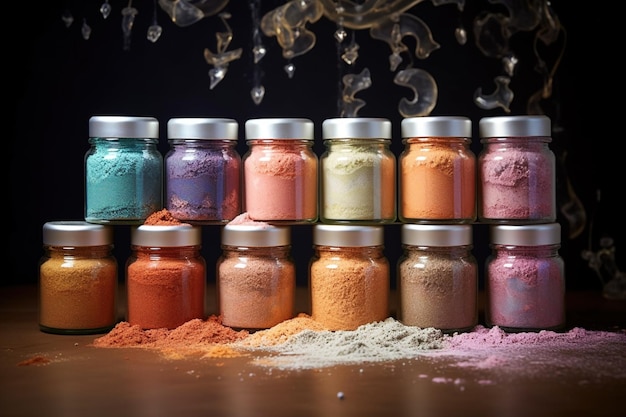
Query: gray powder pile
{"type": "Point", "coordinates": [374, 342]}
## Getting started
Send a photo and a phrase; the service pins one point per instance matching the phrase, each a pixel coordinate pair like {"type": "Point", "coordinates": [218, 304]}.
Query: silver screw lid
{"type": "Point", "coordinates": [436, 235]}
{"type": "Point", "coordinates": [256, 235]}
{"type": "Point", "coordinates": [436, 126]}
{"type": "Point", "coordinates": [526, 235]}
{"type": "Point", "coordinates": [166, 236]}
{"type": "Point", "coordinates": [520, 126]}
{"type": "Point", "coordinates": [202, 128]}
{"type": "Point", "coordinates": [347, 235]}
{"type": "Point", "coordinates": [356, 127]}
{"type": "Point", "coordinates": [279, 128]}
{"type": "Point", "coordinates": [76, 233]}
{"type": "Point", "coordinates": [123, 127]}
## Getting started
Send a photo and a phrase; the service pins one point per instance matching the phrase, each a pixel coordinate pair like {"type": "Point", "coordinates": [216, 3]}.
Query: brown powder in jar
{"type": "Point", "coordinates": [437, 291]}
{"type": "Point", "coordinates": [256, 291]}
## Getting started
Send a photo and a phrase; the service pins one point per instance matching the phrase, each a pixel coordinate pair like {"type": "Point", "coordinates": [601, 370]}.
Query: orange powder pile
{"type": "Point", "coordinates": [162, 218]}
{"type": "Point", "coordinates": [281, 332]}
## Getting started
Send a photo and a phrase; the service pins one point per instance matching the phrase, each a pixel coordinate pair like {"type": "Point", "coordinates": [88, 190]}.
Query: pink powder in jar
{"type": "Point", "coordinates": [525, 282]}
{"type": "Point", "coordinates": [516, 170]}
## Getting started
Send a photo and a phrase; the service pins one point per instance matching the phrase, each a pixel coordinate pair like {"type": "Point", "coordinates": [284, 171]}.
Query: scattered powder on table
{"type": "Point", "coordinates": [532, 353]}
{"type": "Point", "coordinates": [303, 343]}
{"type": "Point", "coordinates": [35, 360]}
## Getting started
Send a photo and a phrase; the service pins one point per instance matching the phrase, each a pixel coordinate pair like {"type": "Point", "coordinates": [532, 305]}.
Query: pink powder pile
{"type": "Point", "coordinates": [533, 353]}
{"type": "Point", "coordinates": [244, 219]}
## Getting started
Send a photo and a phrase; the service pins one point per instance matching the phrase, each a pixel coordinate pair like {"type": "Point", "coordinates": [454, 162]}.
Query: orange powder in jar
{"type": "Point", "coordinates": [77, 279]}
{"type": "Point", "coordinates": [348, 276]}
{"type": "Point", "coordinates": [437, 175]}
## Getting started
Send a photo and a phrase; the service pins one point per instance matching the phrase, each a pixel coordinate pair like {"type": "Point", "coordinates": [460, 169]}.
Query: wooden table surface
{"type": "Point", "coordinates": [81, 380]}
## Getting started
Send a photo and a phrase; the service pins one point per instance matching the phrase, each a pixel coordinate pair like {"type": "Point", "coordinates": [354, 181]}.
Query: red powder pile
{"type": "Point", "coordinates": [190, 334]}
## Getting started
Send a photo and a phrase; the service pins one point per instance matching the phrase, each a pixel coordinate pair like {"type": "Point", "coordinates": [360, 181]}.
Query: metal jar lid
{"type": "Point", "coordinates": [347, 235]}
{"type": "Point", "coordinates": [526, 235]}
{"type": "Point", "coordinates": [202, 128]}
{"type": "Point", "coordinates": [123, 127]}
{"type": "Point", "coordinates": [514, 126]}
{"type": "Point", "coordinates": [255, 235]}
{"type": "Point", "coordinates": [279, 128]}
{"type": "Point", "coordinates": [436, 235]}
{"type": "Point", "coordinates": [356, 127]}
{"type": "Point", "coordinates": [166, 236]}
{"type": "Point", "coordinates": [436, 126]}
{"type": "Point", "coordinates": [76, 233]}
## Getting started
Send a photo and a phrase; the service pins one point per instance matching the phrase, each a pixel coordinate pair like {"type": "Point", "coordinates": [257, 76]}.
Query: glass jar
{"type": "Point", "coordinates": [437, 175]}
{"type": "Point", "coordinates": [525, 278]}
{"type": "Point", "coordinates": [203, 170]}
{"type": "Point", "coordinates": [358, 171]}
{"type": "Point", "coordinates": [123, 170]}
{"type": "Point", "coordinates": [516, 170]}
{"type": "Point", "coordinates": [165, 276]}
{"type": "Point", "coordinates": [280, 171]}
{"type": "Point", "coordinates": [438, 277]}
{"type": "Point", "coordinates": [348, 276]}
{"type": "Point", "coordinates": [256, 276]}
{"type": "Point", "coordinates": [78, 279]}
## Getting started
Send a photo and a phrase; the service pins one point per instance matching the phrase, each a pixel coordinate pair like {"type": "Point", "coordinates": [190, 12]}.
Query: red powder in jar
{"type": "Point", "coordinates": [165, 292]}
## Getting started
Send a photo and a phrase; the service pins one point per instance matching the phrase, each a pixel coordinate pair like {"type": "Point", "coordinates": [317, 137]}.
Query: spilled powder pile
{"type": "Point", "coordinates": [386, 340]}
{"type": "Point", "coordinates": [280, 333]}
{"type": "Point", "coordinates": [533, 353]}
{"type": "Point", "coordinates": [303, 343]}
{"type": "Point", "coordinates": [162, 218]}
{"type": "Point", "coordinates": [207, 336]}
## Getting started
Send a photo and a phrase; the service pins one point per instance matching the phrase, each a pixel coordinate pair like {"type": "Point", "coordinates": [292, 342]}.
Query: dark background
{"type": "Point", "coordinates": [57, 80]}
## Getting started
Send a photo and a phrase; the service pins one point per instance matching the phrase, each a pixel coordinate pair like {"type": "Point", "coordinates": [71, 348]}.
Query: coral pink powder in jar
{"type": "Point", "coordinates": [280, 171]}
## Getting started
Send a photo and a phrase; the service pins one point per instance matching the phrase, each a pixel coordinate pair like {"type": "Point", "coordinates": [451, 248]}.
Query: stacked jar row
{"type": "Point", "coordinates": [280, 179]}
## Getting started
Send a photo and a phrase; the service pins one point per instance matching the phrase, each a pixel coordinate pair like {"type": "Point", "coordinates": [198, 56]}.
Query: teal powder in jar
{"type": "Point", "coordinates": [123, 170]}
